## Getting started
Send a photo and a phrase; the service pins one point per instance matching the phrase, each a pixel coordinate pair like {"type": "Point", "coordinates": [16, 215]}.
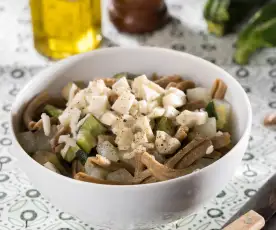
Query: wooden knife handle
{"type": "Point", "coordinates": [249, 221]}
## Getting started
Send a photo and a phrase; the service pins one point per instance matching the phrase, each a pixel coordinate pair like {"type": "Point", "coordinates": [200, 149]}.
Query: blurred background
{"type": "Point", "coordinates": [65, 27]}
{"type": "Point", "coordinates": [229, 33]}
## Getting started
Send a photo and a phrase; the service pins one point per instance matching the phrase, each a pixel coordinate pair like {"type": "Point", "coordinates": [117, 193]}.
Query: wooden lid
{"type": "Point", "coordinates": [141, 19]}
{"type": "Point", "coordinates": [138, 4]}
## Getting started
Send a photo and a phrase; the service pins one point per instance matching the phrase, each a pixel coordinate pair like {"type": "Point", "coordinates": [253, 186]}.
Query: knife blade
{"type": "Point", "coordinates": [263, 202]}
{"type": "Point", "coordinates": [270, 225]}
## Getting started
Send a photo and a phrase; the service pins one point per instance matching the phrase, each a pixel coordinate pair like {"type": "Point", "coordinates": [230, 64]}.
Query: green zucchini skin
{"type": "Point", "coordinates": [210, 109]}
{"type": "Point", "coordinates": [224, 16]}
{"type": "Point", "coordinates": [259, 33]}
{"type": "Point", "coordinates": [52, 111]}
{"type": "Point", "coordinates": [264, 14]}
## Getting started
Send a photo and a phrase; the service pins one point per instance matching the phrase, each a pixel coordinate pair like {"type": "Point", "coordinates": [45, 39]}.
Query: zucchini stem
{"type": "Point", "coordinates": [244, 51]}
{"type": "Point", "coordinates": [215, 28]}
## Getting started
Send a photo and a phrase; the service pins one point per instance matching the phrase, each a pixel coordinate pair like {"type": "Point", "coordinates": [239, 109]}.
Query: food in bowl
{"type": "Point", "coordinates": [128, 129]}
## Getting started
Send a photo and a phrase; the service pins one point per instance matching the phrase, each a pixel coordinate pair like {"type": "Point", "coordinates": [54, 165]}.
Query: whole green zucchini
{"type": "Point", "coordinates": [224, 16]}
{"type": "Point", "coordinates": [260, 32]}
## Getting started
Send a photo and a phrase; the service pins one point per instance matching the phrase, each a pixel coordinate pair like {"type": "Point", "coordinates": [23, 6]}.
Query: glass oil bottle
{"type": "Point", "coordinates": [63, 28]}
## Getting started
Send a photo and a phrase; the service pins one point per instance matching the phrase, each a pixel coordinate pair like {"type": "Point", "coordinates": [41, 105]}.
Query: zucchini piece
{"type": "Point", "coordinates": [159, 100]}
{"type": "Point", "coordinates": [152, 124]}
{"type": "Point", "coordinates": [223, 110]}
{"type": "Point", "coordinates": [76, 167]}
{"type": "Point", "coordinates": [94, 126]}
{"type": "Point", "coordinates": [191, 135]}
{"type": "Point", "coordinates": [81, 156]}
{"type": "Point", "coordinates": [258, 33]}
{"type": "Point", "coordinates": [120, 75]}
{"type": "Point", "coordinates": [70, 155]}
{"type": "Point", "coordinates": [53, 111]}
{"type": "Point", "coordinates": [85, 140]}
{"type": "Point", "coordinates": [199, 94]}
{"type": "Point", "coordinates": [210, 109]}
{"type": "Point", "coordinates": [106, 149]}
{"type": "Point", "coordinates": [216, 14]}
{"type": "Point", "coordinates": [43, 157]}
{"type": "Point", "coordinates": [90, 129]}
{"type": "Point", "coordinates": [224, 16]}
{"type": "Point", "coordinates": [36, 141]}
{"type": "Point", "coordinates": [208, 129]}
{"type": "Point", "coordinates": [166, 125]}
{"type": "Point", "coordinates": [95, 171]}
{"type": "Point", "coordinates": [127, 75]}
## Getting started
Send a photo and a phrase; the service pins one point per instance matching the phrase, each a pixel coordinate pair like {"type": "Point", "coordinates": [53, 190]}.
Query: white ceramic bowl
{"type": "Point", "coordinates": [139, 206]}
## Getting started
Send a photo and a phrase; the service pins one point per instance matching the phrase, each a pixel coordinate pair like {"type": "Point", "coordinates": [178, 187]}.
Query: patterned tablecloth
{"type": "Point", "coordinates": [23, 207]}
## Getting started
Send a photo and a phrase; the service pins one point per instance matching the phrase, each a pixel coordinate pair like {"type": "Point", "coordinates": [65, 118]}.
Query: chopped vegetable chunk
{"type": "Point", "coordinates": [199, 94]}
{"type": "Point", "coordinates": [94, 126]}
{"type": "Point", "coordinates": [210, 109]}
{"type": "Point", "coordinates": [191, 119]}
{"type": "Point", "coordinates": [223, 110]}
{"type": "Point", "coordinates": [128, 129]}
{"type": "Point", "coordinates": [85, 140]}
{"type": "Point", "coordinates": [52, 111]}
{"type": "Point", "coordinates": [166, 125]}
{"type": "Point", "coordinates": [165, 144]}
{"type": "Point", "coordinates": [123, 104]}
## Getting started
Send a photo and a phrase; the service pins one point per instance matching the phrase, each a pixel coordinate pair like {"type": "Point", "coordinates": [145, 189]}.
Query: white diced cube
{"type": "Point", "coordinates": [175, 91]}
{"type": "Point", "coordinates": [124, 139]}
{"type": "Point", "coordinates": [140, 138]}
{"type": "Point", "coordinates": [143, 107]}
{"type": "Point", "coordinates": [78, 101]}
{"type": "Point", "coordinates": [137, 85]}
{"type": "Point", "coordinates": [156, 112]}
{"type": "Point", "coordinates": [128, 120]}
{"type": "Point", "coordinates": [171, 112]}
{"type": "Point", "coordinates": [191, 119]}
{"type": "Point", "coordinates": [123, 104]}
{"type": "Point", "coordinates": [121, 86]}
{"type": "Point", "coordinates": [134, 108]}
{"type": "Point", "coordinates": [149, 94]}
{"type": "Point", "coordinates": [66, 116]}
{"type": "Point", "coordinates": [109, 118]}
{"type": "Point", "coordinates": [199, 94]}
{"type": "Point", "coordinates": [152, 105]}
{"type": "Point", "coordinates": [202, 117]}
{"type": "Point", "coordinates": [118, 126]}
{"type": "Point", "coordinates": [155, 87]}
{"type": "Point", "coordinates": [125, 121]}
{"type": "Point", "coordinates": [174, 100]}
{"type": "Point", "coordinates": [98, 88]}
{"type": "Point", "coordinates": [207, 129]}
{"type": "Point", "coordinates": [165, 144]}
{"type": "Point", "coordinates": [143, 124]}
{"type": "Point", "coordinates": [97, 105]}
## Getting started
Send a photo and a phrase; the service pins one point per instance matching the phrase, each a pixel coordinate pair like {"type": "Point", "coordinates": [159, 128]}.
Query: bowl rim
{"type": "Point", "coordinates": [65, 63]}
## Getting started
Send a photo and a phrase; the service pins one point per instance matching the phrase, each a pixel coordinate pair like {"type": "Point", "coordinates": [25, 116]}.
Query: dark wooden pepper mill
{"type": "Point", "coordinates": [138, 16]}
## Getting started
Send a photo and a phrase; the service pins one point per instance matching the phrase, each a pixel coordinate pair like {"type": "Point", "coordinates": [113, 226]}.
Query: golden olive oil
{"type": "Point", "coordinates": [65, 27]}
